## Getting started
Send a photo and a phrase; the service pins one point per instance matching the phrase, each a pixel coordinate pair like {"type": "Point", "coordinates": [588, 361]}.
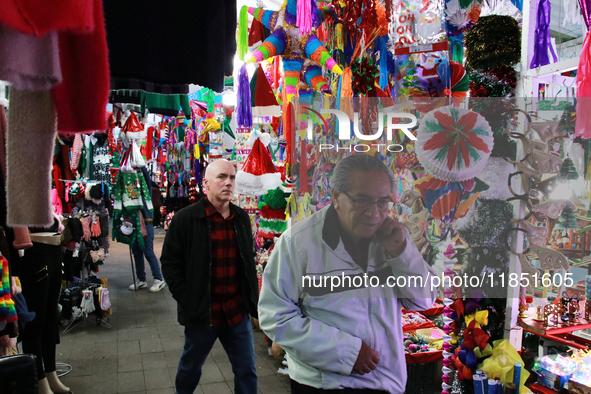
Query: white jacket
{"type": "Point", "coordinates": [322, 335]}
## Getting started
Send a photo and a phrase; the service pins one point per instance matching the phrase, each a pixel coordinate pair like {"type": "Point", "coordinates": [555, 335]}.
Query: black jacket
{"type": "Point", "coordinates": [186, 264]}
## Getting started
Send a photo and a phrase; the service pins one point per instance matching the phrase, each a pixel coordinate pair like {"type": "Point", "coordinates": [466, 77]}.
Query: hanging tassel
{"type": "Point", "coordinates": [242, 37]}
{"type": "Point", "coordinates": [304, 16]}
{"type": "Point", "coordinates": [346, 83]}
{"type": "Point", "coordinates": [583, 122]}
{"type": "Point", "coordinates": [542, 38]}
{"type": "Point", "coordinates": [314, 13]}
{"type": "Point", "coordinates": [383, 63]}
{"type": "Point", "coordinates": [244, 107]}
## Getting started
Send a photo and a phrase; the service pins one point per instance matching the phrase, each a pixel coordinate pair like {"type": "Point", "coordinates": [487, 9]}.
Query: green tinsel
{"type": "Point", "coordinates": [490, 224]}
{"type": "Point", "coordinates": [277, 226]}
{"type": "Point", "coordinates": [499, 115]}
{"type": "Point", "coordinates": [242, 36]}
{"type": "Point", "coordinates": [275, 199]}
{"type": "Point", "coordinates": [494, 41]}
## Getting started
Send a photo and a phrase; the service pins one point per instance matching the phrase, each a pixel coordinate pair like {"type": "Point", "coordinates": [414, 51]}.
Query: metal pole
{"type": "Point", "coordinates": [132, 269]}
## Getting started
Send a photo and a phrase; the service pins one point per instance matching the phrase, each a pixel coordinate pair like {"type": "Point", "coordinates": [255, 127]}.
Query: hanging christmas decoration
{"type": "Point", "coordinates": [244, 109]}
{"type": "Point", "coordinates": [497, 82]}
{"type": "Point", "coordinates": [567, 220]}
{"type": "Point", "coordinates": [567, 171]}
{"type": "Point", "coordinates": [542, 38]}
{"type": "Point", "coordinates": [453, 144]}
{"type": "Point", "coordinates": [583, 124]}
{"type": "Point", "coordinates": [262, 97]}
{"type": "Point", "coordinates": [258, 174]}
{"type": "Point", "coordinates": [459, 82]}
{"type": "Point", "coordinates": [364, 73]}
{"type": "Point", "coordinates": [461, 19]}
{"type": "Point", "coordinates": [273, 218]}
{"type": "Point", "coordinates": [493, 42]}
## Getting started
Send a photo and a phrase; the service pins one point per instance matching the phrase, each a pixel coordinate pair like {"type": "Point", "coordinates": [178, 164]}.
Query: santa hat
{"type": "Point", "coordinates": [262, 97]}
{"type": "Point", "coordinates": [258, 175]}
{"type": "Point", "coordinates": [257, 33]}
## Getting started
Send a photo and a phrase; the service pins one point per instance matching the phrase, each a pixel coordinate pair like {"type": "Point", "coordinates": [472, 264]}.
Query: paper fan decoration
{"type": "Point", "coordinates": [258, 175]}
{"type": "Point", "coordinates": [460, 82]}
{"type": "Point", "coordinates": [454, 144]}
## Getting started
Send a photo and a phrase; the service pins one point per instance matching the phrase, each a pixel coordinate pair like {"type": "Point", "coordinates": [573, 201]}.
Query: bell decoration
{"type": "Point", "coordinates": [567, 171]}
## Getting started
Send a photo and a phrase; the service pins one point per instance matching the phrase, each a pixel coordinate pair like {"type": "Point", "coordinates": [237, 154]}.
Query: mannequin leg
{"type": "Point", "coordinates": [44, 387]}
{"type": "Point", "coordinates": [51, 333]}
{"type": "Point", "coordinates": [55, 384]}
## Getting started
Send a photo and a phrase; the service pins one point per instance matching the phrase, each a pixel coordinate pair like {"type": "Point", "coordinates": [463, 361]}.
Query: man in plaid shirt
{"type": "Point", "coordinates": [208, 263]}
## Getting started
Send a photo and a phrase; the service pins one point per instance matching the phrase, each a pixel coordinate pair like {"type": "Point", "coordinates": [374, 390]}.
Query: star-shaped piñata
{"type": "Point", "coordinates": [300, 51]}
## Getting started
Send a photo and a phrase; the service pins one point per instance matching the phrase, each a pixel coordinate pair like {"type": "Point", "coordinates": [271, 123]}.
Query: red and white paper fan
{"type": "Point", "coordinates": [454, 144]}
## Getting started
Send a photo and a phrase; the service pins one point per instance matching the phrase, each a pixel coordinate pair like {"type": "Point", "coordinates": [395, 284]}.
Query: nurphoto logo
{"type": "Point", "coordinates": [344, 130]}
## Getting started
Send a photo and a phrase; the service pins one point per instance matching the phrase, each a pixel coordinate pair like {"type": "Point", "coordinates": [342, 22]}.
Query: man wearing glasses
{"type": "Point", "coordinates": [329, 294]}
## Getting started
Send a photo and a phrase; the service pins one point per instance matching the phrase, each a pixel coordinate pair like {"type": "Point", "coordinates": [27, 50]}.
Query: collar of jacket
{"type": "Point", "coordinates": [201, 214]}
{"type": "Point", "coordinates": [331, 229]}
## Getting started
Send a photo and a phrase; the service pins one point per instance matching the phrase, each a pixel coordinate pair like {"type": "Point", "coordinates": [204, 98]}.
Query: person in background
{"type": "Point", "coordinates": [157, 203]}
{"type": "Point", "coordinates": [345, 336]}
{"type": "Point", "coordinates": [208, 263]}
{"type": "Point", "coordinates": [147, 251]}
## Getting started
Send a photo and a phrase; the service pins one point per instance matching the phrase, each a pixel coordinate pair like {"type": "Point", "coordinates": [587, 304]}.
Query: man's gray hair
{"type": "Point", "coordinates": [341, 181]}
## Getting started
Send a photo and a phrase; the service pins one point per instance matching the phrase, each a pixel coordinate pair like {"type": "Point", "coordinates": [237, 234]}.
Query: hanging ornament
{"type": "Point", "coordinates": [460, 20]}
{"type": "Point", "coordinates": [459, 82]}
{"type": "Point", "coordinates": [567, 171]}
{"type": "Point", "coordinates": [243, 109]}
{"type": "Point", "coordinates": [454, 144]}
{"type": "Point", "coordinates": [258, 175]}
{"type": "Point", "coordinates": [493, 42]}
{"type": "Point", "coordinates": [567, 220]}
{"type": "Point", "coordinates": [542, 38]}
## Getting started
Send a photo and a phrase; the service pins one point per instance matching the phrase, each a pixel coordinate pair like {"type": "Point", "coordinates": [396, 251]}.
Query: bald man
{"type": "Point", "coordinates": [208, 262]}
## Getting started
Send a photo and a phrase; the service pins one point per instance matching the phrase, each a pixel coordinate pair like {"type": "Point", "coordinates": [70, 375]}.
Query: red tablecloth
{"type": "Point", "coordinates": [426, 357]}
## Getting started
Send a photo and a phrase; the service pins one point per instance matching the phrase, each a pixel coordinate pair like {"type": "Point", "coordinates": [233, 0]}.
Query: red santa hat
{"type": "Point", "coordinates": [263, 100]}
{"type": "Point", "coordinates": [258, 175]}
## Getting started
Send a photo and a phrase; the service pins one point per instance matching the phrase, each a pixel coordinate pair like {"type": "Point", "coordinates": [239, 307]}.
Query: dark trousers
{"type": "Point", "coordinates": [41, 279]}
{"type": "Point", "coordinates": [298, 388]}
{"type": "Point", "coordinates": [238, 344]}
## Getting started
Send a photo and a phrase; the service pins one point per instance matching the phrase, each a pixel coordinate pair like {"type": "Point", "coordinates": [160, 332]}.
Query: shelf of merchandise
{"type": "Point", "coordinates": [560, 332]}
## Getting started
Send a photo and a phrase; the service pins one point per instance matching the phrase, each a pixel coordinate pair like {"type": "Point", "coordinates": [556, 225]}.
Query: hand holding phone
{"type": "Point", "coordinates": [392, 236]}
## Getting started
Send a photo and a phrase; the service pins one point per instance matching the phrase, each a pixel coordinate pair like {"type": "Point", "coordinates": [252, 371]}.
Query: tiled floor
{"type": "Point", "coordinates": [140, 353]}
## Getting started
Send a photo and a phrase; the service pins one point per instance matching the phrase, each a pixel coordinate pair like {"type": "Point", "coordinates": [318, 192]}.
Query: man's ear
{"type": "Point", "coordinates": [335, 197]}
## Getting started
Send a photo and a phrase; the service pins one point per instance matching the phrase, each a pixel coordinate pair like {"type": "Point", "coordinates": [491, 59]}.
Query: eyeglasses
{"type": "Point", "coordinates": [364, 204]}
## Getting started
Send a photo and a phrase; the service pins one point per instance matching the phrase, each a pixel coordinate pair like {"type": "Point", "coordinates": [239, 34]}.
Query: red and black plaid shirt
{"type": "Point", "coordinates": [227, 304]}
